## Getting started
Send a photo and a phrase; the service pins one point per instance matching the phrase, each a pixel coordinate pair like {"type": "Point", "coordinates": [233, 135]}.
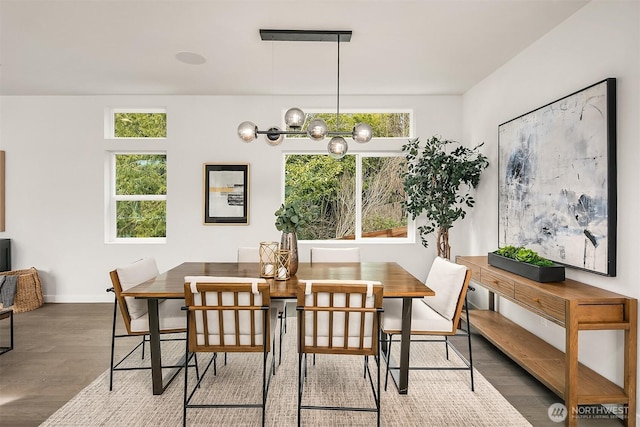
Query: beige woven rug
{"type": "Point", "coordinates": [435, 398]}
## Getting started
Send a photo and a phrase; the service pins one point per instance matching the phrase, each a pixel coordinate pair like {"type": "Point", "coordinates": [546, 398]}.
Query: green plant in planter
{"type": "Point", "coordinates": [524, 255]}
{"type": "Point", "coordinates": [438, 182]}
{"type": "Point", "coordinates": [288, 219]}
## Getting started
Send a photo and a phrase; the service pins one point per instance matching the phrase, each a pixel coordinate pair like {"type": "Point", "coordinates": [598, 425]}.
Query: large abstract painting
{"type": "Point", "coordinates": [557, 180]}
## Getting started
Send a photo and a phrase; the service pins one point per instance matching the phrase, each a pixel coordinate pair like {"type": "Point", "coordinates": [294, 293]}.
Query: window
{"type": "Point", "coordinates": [139, 196]}
{"type": "Point", "coordinates": [136, 206]}
{"type": "Point", "coordinates": [358, 197]}
{"type": "Point", "coordinates": [384, 125]}
{"type": "Point", "coordinates": [137, 123]}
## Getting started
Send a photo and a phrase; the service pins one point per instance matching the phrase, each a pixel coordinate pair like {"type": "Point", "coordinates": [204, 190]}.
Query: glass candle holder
{"type": "Point", "coordinates": [268, 259]}
{"type": "Point", "coordinates": [284, 257]}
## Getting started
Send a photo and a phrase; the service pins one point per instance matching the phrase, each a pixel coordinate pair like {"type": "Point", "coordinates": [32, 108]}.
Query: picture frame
{"type": "Point", "coordinates": [557, 180]}
{"type": "Point", "coordinates": [226, 194]}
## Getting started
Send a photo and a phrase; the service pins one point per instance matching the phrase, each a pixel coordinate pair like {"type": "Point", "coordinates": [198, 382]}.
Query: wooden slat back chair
{"type": "Point", "coordinates": [339, 317]}
{"type": "Point", "coordinates": [134, 312]}
{"type": "Point", "coordinates": [228, 315]}
{"type": "Point", "coordinates": [435, 316]}
{"type": "Point", "coordinates": [334, 255]}
{"type": "Point", "coordinates": [251, 254]}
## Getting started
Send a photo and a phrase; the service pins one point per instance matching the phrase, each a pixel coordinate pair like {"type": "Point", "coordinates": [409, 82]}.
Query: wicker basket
{"type": "Point", "coordinates": [28, 290]}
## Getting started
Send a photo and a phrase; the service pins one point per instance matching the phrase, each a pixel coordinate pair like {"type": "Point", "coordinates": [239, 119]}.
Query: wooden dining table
{"type": "Point", "coordinates": [397, 283]}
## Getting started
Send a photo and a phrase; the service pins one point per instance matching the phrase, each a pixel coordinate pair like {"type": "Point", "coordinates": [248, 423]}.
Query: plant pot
{"type": "Point", "coordinates": [554, 273]}
{"type": "Point", "coordinates": [289, 241]}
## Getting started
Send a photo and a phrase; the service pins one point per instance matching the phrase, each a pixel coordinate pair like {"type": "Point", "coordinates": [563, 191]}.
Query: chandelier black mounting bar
{"type": "Point", "coordinates": [305, 35]}
{"type": "Point", "coordinates": [294, 118]}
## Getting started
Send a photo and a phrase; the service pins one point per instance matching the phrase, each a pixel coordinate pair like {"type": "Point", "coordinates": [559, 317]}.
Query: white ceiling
{"type": "Point", "coordinates": [85, 47]}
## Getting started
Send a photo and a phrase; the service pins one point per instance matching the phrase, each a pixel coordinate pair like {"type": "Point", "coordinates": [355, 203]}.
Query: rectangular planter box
{"type": "Point", "coordinates": [554, 273]}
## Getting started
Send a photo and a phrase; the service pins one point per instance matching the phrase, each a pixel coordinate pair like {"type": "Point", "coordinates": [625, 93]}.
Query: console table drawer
{"type": "Point", "coordinates": [552, 306]}
{"type": "Point", "coordinates": [475, 271]}
{"type": "Point", "coordinates": [497, 283]}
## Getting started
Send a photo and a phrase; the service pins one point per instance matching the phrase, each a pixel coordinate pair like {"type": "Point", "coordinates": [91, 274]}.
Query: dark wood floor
{"type": "Point", "coordinates": [61, 348]}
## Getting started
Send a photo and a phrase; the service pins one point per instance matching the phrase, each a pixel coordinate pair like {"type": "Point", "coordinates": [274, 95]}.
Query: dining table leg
{"type": "Point", "coordinates": [154, 346]}
{"type": "Point", "coordinates": [405, 344]}
{"type": "Point", "coordinates": [400, 375]}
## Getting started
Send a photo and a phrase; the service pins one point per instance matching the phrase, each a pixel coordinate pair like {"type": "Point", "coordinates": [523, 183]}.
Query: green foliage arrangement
{"type": "Point", "coordinates": [524, 255]}
{"type": "Point", "coordinates": [438, 183]}
{"type": "Point", "coordinates": [288, 219]}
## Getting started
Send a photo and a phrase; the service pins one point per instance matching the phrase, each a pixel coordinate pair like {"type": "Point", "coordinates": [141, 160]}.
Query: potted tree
{"type": "Point", "coordinates": [438, 180]}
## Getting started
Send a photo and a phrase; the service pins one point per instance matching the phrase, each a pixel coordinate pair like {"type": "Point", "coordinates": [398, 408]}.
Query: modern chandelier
{"type": "Point", "coordinates": [294, 118]}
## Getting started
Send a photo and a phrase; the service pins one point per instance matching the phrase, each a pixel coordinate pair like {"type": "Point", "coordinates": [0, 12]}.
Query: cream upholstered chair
{"type": "Point", "coordinates": [134, 311]}
{"type": "Point", "coordinates": [339, 317]}
{"type": "Point", "coordinates": [250, 254]}
{"type": "Point", "coordinates": [226, 314]}
{"type": "Point", "coordinates": [335, 255]}
{"type": "Point", "coordinates": [435, 316]}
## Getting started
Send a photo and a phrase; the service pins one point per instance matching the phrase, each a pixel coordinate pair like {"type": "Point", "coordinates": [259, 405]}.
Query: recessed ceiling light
{"type": "Point", "coordinates": [190, 58]}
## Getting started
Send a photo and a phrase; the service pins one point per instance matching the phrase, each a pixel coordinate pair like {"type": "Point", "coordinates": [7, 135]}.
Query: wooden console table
{"type": "Point", "coordinates": [576, 307]}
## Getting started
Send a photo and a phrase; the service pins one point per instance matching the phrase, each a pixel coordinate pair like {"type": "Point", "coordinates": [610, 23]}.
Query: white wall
{"type": "Point", "coordinates": [601, 40]}
{"type": "Point", "coordinates": [55, 150]}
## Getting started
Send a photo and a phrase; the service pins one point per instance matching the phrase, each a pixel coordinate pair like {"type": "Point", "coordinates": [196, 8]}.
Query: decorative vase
{"type": "Point", "coordinates": [289, 241]}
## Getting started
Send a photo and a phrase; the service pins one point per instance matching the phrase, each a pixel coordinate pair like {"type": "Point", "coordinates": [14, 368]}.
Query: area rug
{"type": "Point", "coordinates": [435, 398]}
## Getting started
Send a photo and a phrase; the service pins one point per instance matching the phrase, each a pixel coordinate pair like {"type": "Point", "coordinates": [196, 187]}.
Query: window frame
{"type": "Point", "coordinates": [112, 199]}
{"type": "Point", "coordinates": [359, 155]}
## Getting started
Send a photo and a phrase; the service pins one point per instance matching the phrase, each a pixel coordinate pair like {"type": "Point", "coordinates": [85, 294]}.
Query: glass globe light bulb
{"type": "Point", "coordinates": [337, 147]}
{"type": "Point", "coordinates": [247, 131]}
{"type": "Point", "coordinates": [294, 118]}
{"type": "Point", "coordinates": [317, 129]}
{"type": "Point", "coordinates": [273, 136]}
{"type": "Point", "coordinates": [362, 133]}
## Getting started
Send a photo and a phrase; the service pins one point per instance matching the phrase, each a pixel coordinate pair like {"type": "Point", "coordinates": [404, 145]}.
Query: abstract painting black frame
{"type": "Point", "coordinates": [226, 194]}
{"type": "Point", "coordinates": [557, 180]}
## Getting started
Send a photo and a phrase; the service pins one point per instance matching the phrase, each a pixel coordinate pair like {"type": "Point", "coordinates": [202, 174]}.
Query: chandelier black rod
{"type": "Point", "coordinates": [338, 90]}
{"type": "Point", "coordinates": [296, 132]}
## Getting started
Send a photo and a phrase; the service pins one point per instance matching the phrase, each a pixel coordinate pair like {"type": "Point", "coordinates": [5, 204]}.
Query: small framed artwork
{"type": "Point", "coordinates": [226, 194]}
